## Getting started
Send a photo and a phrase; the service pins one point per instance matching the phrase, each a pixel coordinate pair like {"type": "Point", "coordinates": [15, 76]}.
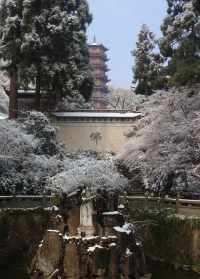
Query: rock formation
{"type": "Point", "coordinates": [73, 250]}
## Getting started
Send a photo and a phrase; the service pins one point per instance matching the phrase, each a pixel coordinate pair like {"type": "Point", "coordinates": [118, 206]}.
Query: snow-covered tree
{"type": "Point", "coordinates": [124, 99]}
{"type": "Point", "coordinates": [147, 70]}
{"type": "Point", "coordinates": [181, 40]}
{"type": "Point", "coordinates": [94, 171]}
{"type": "Point", "coordinates": [29, 155]}
{"type": "Point", "coordinates": [163, 155]}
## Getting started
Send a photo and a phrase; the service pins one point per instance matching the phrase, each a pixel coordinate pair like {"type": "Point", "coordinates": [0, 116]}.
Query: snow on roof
{"type": "Point", "coordinates": [96, 44]}
{"type": "Point", "coordinates": [96, 114]}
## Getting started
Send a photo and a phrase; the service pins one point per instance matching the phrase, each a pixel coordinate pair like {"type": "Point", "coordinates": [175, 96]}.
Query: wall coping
{"type": "Point", "coordinates": [87, 115]}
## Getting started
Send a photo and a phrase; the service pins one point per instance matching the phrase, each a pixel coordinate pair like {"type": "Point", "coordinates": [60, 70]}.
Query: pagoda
{"type": "Point", "coordinates": [98, 62]}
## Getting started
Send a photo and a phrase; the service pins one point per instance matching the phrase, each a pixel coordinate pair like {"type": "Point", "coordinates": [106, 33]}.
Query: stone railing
{"type": "Point", "coordinates": [26, 201]}
{"type": "Point", "coordinates": [182, 206]}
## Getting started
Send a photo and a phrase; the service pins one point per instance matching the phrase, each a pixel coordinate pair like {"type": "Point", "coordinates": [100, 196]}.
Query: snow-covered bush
{"type": "Point", "coordinates": [94, 171]}
{"type": "Point", "coordinates": [32, 162]}
{"type": "Point", "coordinates": [29, 154]}
{"type": "Point", "coordinates": [164, 154]}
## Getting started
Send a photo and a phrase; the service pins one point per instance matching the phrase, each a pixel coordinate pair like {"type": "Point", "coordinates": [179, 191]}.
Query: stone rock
{"type": "Point", "coordinates": [114, 264]}
{"type": "Point", "coordinates": [86, 257]}
{"type": "Point", "coordinates": [71, 261]}
{"type": "Point", "coordinates": [111, 220]}
{"type": "Point", "coordinates": [128, 266]}
{"type": "Point", "coordinates": [110, 255]}
{"type": "Point", "coordinates": [99, 260]}
{"type": "Point", "coordinates": [57, 222]}
{"type": "Point", "coordinates": [48, 256]}
{"type": "Point", "coordinates": [73, 221]}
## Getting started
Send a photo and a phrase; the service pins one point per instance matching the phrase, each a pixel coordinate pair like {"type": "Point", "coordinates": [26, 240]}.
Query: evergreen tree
{"type": "Point", "coordinates": [181, 40]}
{"type": "Point", "coordinates": [81, 75]}
{"type": "Point", "coordinates": [148, 65]}
{"type": "Point", "coordinates": [11, 39]}
{"type": "Point", "coordinates": [45, 43]}
{"type": "Point", "coordinates": [35, 46]}
{"type": "Point", "coordinates": [56, 48]}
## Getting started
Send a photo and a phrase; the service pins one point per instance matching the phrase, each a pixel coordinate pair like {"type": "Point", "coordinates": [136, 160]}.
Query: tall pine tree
{"type": "Point", "coordinates": [55, 47]}
{"type": "Point", "coordinates": [47, 46]}
{"type": "Point", "coordinates": [10, 46]}
{"type": "Point", "coordinates": [147, 70]}
{"type": "Point", "coordinates": [181, 40]}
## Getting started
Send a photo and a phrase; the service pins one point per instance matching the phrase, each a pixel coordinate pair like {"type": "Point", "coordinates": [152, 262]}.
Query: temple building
{"type": "Point", "coordinates": [98, 59]}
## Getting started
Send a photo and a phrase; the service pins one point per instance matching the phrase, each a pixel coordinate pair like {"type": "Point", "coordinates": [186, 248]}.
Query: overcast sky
{"type": "Point", "coordinates": [116, 24]}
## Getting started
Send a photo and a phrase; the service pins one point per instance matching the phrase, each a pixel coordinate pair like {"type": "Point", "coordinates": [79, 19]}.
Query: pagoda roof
{"type": "Point", "coordinates": [95, 44]}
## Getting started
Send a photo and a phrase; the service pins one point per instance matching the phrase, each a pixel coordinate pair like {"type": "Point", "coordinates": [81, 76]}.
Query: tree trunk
{"type": "Point", "coordinates": [37, 90]}
{"type": "Point", "coordinates": [13, 106]}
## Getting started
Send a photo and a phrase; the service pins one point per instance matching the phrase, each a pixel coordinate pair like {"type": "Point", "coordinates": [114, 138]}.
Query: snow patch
{"type": "Point", "coordinates": [111, 213]}
{"type": "Point", "coordinates": [93, 248]}
{"type": "Point", "coordinates": [128, 252]}
{"type": "Point", "coordinates": [54, 231]}
{"type": "Point", "coordinates": [113, 244]}
{"type": "Point", "coordinates": [127, 228]}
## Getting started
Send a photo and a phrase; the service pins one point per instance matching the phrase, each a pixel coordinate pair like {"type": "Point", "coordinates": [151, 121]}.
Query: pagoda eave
{"type": "Point", "coordinates": [98, 62]}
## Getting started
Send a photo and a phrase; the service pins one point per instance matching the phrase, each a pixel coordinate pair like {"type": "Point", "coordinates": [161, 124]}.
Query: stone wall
{"type": "Point", "coordinates": [98, 136]}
